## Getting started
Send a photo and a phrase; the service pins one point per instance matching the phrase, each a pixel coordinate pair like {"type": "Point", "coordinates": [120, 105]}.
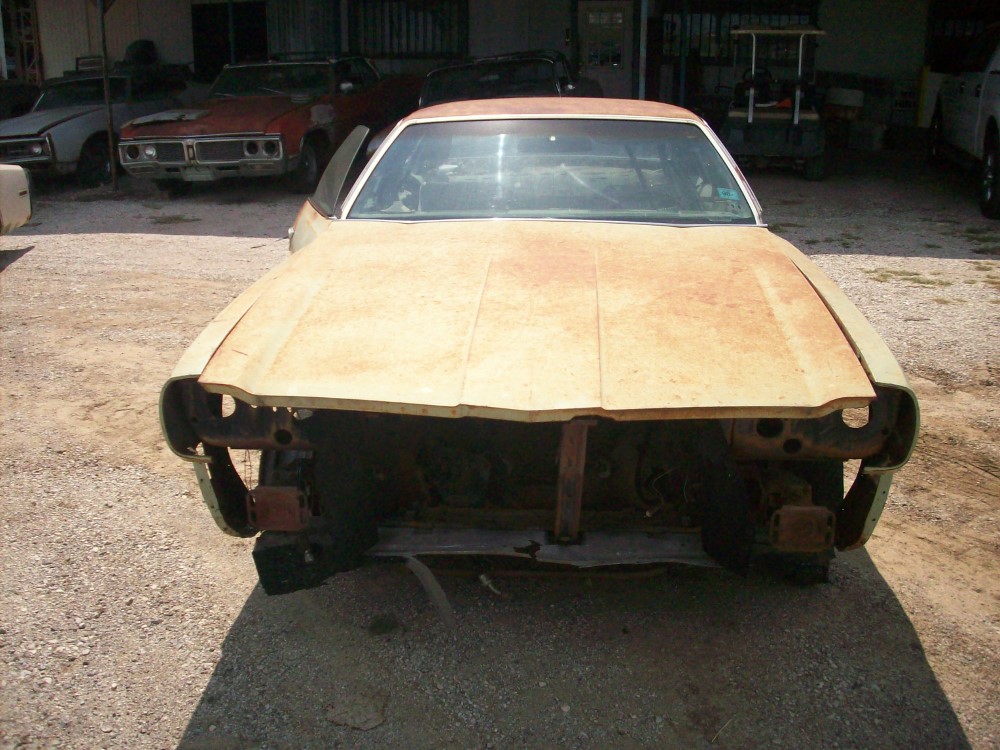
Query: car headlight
{"type": "Point", "coordinates": [37, 149]}
{"type": "Point", "coordinates": [149, 151]}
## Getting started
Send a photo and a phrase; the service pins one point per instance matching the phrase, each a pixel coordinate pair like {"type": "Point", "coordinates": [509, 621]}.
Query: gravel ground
{"type": "Point", "coordinates": [128, 621]}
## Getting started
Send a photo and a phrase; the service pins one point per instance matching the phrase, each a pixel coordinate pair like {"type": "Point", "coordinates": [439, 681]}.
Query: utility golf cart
{"type": "Point", "coordinates": [774, 119]}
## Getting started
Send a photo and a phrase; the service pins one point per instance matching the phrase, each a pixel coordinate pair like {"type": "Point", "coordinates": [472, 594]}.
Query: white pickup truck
{"type": "Point", "coordinates": [967, 116]}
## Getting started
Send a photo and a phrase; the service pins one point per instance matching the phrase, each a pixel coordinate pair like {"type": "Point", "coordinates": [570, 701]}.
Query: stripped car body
{"type": "Point", "coordinates": [590, 374]}
{"type": "Point", "coordinates": [264, 119]}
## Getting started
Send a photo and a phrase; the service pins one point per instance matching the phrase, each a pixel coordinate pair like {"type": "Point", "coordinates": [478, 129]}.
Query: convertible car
{"type": "Point", "coordinates": [550, 329]}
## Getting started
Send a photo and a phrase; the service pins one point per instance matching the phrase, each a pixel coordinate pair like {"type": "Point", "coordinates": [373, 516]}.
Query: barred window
{"type": "Point", "coordinates": [410, 28]}
{"type": "Point", "coordinates": [708, 23]}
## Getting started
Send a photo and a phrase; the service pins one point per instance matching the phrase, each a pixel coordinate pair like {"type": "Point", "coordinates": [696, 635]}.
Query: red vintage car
{"type": "Point", "coordinates": [265, 119]}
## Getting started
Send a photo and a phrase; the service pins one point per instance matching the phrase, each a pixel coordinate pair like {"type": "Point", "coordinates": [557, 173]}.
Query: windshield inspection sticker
{"type": "Point", "coordinates": [728, 194]}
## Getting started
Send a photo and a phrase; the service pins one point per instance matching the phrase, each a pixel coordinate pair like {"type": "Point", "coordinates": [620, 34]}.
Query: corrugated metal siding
{"type": "Point", "coordinates": [303, 26]}
{"type": "Point", "coordinates": [63, 30]}
{"type": "Point", "coordinates": [121, 23]}
{"type": "Point", "coordinates": [69, 29]}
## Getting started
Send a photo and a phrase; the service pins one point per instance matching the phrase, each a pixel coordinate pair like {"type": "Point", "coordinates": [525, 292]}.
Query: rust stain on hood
{"type": "Point", "coordinates": [537, 320]}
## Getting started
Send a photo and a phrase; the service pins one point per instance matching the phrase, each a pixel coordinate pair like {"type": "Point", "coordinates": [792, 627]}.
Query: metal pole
{"type": "Point", "coordinates": [102, 9]}
{"type": "Point", "coordinates": [683, 54]}
{"type": "Point", "coordinates": [3, 50]}
{"type": "Point", "coordinates": [798, 81]}
{"type": "Point", "coordinates": [232, 35]}
{"type": "Point", "coordinates": [643, 44]}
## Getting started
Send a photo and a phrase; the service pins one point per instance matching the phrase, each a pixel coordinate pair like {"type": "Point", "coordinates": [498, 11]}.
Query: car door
{"type": "Point", "coordinates": [965, 92]}
{"type": "Point", "coordinates": [989, 101]}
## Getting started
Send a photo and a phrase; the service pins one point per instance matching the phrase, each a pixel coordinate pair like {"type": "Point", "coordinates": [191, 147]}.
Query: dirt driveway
{"type": "Point", "coordinates": [128, 621]}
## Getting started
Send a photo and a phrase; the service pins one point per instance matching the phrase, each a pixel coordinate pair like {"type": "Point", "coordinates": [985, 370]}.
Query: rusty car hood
{"type": "Point", "coordinates": [245, 114]}
{"type": "Point", "coordinates": [535, 321]}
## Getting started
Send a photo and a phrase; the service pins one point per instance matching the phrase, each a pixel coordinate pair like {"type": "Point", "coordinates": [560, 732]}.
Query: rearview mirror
{"type": "Point", "coordinates": [15, 198]}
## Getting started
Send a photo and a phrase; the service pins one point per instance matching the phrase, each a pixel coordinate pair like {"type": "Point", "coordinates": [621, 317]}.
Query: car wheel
{"type": "Point", "coordinates": [935, 138]}
{"type": "Point", "coordinates": [307, 173]}
{"type": "Point", "coordinates": [93, 168]}
{"type": "Point", "coordinates": [989, 179]}
{"type": "Point", "coordinates": [815, 168]}
{"type": "Point", "coordinates": [173, 188]}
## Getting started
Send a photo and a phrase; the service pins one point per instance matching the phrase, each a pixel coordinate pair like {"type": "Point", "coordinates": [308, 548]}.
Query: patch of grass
{"type": "Point", "coordinates": [811, 242]}
{"type": "Point", "coordinates": [850, 236]}
{"type": "Point", "coordinates": [944, 301]}
{"type": "Point", "coordinates": [932, 246]}
{"type": "Point", "coordinates": [899, 274]}
{"type": "Point", "coordinates": [991, 250]}
{"type": "Point", "coordinates": [980, 235]}
{"type": "Point", "coordinates": [173, 219]}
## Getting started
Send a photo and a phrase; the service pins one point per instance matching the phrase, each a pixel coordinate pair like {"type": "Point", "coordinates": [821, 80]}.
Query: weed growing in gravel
{"type": "Point", "coordinates": [932, 246]}
{"type": "Point", "coordinates": [173, 219]}
{"type": "Point", "coordinates": [898, 274]}
{"type": "Point", "coordinates": [945, 301]}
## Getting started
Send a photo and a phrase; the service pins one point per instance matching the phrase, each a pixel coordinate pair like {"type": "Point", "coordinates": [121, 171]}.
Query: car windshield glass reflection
{"type": "Point", "coordinates": [74, 93]}
{"type": "Point", "coordinates": [257, 80]}
{"type": "Point", "coordinates": [587, 169]}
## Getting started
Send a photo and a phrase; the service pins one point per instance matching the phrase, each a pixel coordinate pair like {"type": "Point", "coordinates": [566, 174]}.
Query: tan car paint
{"type": "Point", "coordinates": [472, 318]}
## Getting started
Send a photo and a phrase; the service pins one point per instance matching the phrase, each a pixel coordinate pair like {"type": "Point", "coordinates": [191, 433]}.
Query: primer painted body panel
{"type": "Point", "coordinates": [535, 321]}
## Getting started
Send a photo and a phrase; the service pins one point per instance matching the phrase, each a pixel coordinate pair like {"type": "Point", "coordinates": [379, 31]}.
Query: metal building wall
{"type": "Point", "coordinates": [304, 26]}
{"type": "Point", "coordinates": [64, 34]}
{"type": "Point", "coordinates": [69, 29]}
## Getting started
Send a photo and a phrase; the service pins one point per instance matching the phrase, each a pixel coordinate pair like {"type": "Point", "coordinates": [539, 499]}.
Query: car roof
{"type": "Point", "coordinates": [551, 106]}
{"type": "Point", "coordinates": [532, 54]}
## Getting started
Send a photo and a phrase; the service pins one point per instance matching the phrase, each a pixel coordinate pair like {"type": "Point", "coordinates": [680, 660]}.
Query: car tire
{"type": "Point", "coordinates": [935, 139]}
{"type": "Point", "coordinates": [93, 168]}
{"type": "Point", "coordinates": [173, 188]}
{"type": "Point", "coordinates": [307, 173]}
{"type": "Point", "coordinates": [815, 168]}
{"type": "Point", "coordinates": [989, 178]}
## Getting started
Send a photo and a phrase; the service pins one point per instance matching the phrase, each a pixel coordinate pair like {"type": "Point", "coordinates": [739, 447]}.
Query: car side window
{"type": "Point", "coordinates": [981, 51]}
{"type": "Point", "coordinates": [366, 73]}
{"type": "Point", "coordinates": [353, 76]}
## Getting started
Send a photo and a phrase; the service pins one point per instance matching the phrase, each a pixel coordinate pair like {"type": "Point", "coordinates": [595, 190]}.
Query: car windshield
{"type": "Point", "coordinates": [85, 91]}
{"type": "Point", "coordinates": [489, 81]}
{"type": "Point", "coordinates": [583, 169]}
{"type": "Point", "coordinates": [256, 80]}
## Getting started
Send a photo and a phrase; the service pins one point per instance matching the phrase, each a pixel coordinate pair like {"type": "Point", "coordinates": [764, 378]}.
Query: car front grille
{"type": "Point", "coordinates": [169, 151]}
{"type": "Point", "coordinates": [20, 151]}
{"type": "Point", "coordinates": [229, 150]}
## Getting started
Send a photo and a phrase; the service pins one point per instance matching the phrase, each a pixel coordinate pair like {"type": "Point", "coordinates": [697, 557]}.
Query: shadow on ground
{"type": "Point", "coordinates": [689, 659]}
{"type": "Point", "coordinates": [7, 257]}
